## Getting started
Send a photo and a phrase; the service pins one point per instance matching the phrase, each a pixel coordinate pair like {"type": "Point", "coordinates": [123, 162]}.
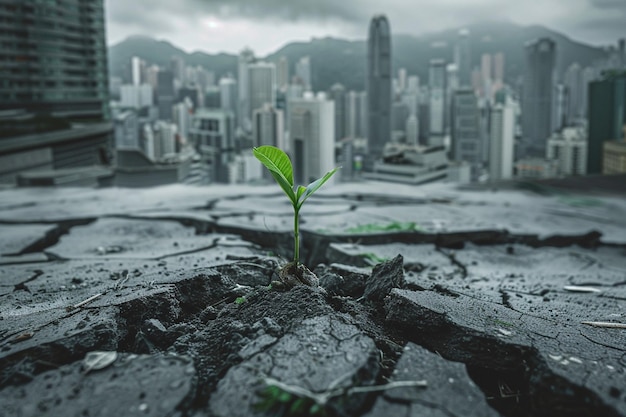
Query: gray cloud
{"type": "Point", "coordinates": [253, 9]}
{"type": "Point", "coordinates": [609, 4]}
{"type": "Point", "coordinates": [596, 19]}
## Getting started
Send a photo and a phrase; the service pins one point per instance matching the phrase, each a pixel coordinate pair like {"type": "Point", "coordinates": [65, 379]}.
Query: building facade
{"type": "Point", "coordinates": [569, 148]}
{"type": "Point", "coordinates": [312, 132]}
{"type": "Point", "coordinates": [57, 64]}
{"type": "Point", "coordinates": [378, 86]}
{"type": "Point", "coordinates": [537, 102]}
{"type": "Point", "coordinates": [607, 116]}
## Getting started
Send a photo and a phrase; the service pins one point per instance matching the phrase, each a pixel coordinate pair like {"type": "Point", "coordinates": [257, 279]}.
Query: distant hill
{"type": "Point", "coordinates": [336, 60]}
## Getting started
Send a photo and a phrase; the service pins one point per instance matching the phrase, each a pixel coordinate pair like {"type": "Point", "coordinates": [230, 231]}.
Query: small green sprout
{"type": "Point", "coordinates": [281, 169]}
{"type": "Point", "coordinates": [240, 300]}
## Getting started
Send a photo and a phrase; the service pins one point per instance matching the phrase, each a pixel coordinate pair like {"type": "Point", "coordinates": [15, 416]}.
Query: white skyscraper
{"type": "Point", "coordinates": [261, 85]}
{"type": "Point", "coordinates": [164, 139]}
{"type": "Point", "coordinates": [312, 130]}
{"type": "Point", "coordinates": [246, 57]}
{"type": "Point", "coordinates": [502, 130]}
{"type": "Point", "coordinates": [136, 96]}
{"type": "Point", "coordinates": [136, 65]}
{"type": "Point", "coordinates": [569, 148]}
{"type": "Point", "coordinates": [268, 127]}
{"type": "Point", "coordinates": [182, 118]}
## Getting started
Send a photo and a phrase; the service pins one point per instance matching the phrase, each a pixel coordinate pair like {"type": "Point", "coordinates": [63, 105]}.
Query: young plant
{"type": "Point", "coordinates": [279, 165]}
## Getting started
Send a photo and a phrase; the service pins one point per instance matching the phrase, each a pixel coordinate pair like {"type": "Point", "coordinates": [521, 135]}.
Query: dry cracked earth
{"type": "Point", "coordinates": [433, 301]}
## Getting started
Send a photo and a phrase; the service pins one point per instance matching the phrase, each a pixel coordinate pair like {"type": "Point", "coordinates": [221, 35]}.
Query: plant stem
{"type": "Point", "coordinates": [296, 237]}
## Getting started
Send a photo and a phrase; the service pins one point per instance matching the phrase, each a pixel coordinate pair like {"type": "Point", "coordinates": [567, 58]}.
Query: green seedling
{"type": "Point", "coordinates": [279, 165]}
{"type": "Point", "coordinates": [240, 300]}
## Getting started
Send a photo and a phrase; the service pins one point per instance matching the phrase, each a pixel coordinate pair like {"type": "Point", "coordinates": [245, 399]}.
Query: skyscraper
{"type": "Point", "coordinates": [246, 57]}
{"type": "Point", "coordinates": [467, 145]}
{"type": "Point", "coordinates": [212, 132]}
{"type": "Point", "coordinates": [229, 96]}
{"type": "Point", "coordinates": [261, 85]}
{"type": "Point", "coordinates": [463, 59]}
{"type": "Point", "coordinates": [282, 74]}
{"type": "Point", "coordinates": [165, 94]}
{"type": "Point", "coordinates": [338, 95]}
{"type": "Point", "coordinates": [312, 129]}
{"type": "Point", "coordinates": [268, 127]}
{"type": "Point", "coordinates": [575, 85]}
{"type": "Point", "coordinates": [537, 104]}
{"type": "Point", "coordinates": [378, 86]}
{"type": "Point", "coordinates": [54, 58]}
{"type": "Point", "coordinates": [501, 139]}
{"type": "Point", "coordinates": [437, 101]}
{"type": "Point", "coordinates": [607, 116]}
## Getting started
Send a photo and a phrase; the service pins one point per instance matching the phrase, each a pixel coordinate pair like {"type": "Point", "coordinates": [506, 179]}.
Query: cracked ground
{"type": "Point", "coordinates": [501, 303]}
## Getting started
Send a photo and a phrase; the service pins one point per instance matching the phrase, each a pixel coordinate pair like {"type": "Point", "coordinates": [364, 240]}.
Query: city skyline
{"type": "Point", "coordinates": [229, 26]}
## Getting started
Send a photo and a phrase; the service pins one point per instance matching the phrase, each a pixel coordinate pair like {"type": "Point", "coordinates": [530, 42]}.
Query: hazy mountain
{"type": "Point", "coordinates": [337, 60]}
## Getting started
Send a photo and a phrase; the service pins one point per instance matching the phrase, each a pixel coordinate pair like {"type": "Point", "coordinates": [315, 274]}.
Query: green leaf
{"type": "Point", "coordinates": [301, 190]}
{"type": "Point", "coordinates": [314, 186]}
{"type": "Point", "coordinates": [279, 166]}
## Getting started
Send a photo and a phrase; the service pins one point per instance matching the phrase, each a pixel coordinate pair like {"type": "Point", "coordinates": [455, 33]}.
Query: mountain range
{"type": "Point", "coordinates": [342, 61]}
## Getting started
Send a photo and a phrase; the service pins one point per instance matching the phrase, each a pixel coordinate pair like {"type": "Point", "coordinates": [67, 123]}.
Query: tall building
{"type": "Point", "coordinates": [575, 85]}
{"type": "Point", "coordinates": [303, 72]}
{"type": "Point", "coordinates": [312, 130]}
{"type": "Point", "coordinates": [498, 70]}
{"type": "Point", "coordinates": [537, 103]}
{"type": "Point", "coordinates": [261, 85]}
{"type": "Point", "coordinates": [183, 113]}
{"type": "Point", "coordinates": [338, 95]}
{"type": "Point", "coordinates": [282, 73]}
{"type": "Point", "coordinates": [467, 144]}
{"type": "Point", "coordinates": [412, 130]}
{"type": "Point", "coordinates": [213, 97]}
{"type": "Point", "coordinates": [165, 94]}
{"type": "Point", "coordinates": [177, 66]}
{"type": "Point", "coordinates": [212, 132]}
{"type": "Point", "coordinates": [246, 58]}
{"type": "Point", "coordinates": [268, 127]}
{"type": "Point", "coordinates": [356, 114]}
{"type": "Point", "coordinates": [136, 96]}
{"type": "Point", "coordinates": [501, 141]}
{"type": "Point", "coordinates": [54, 59]}
{"type": "Point", "coordinates": [463, 59]}
{"type": "Point", "coordinates": [437, 101]}
{"type": "Point", "coordinates": [126, 129]}
{"type": "Point", "coordinates": [137, 65]}
{"type": "Point", "coordinates": [402, 79]}
{"type": "Point", "coordinates": [229, 96]}
{"type": "Point", "coordinates": [378, 86]}
{"type": "Point", "coordinates": [607, 116]}
{"type": "Point", "coordinates": [569, 148]}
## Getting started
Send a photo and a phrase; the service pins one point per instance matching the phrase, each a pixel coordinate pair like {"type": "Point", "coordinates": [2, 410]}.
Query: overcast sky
{"type": "Point", "coordinates": [266, 25]}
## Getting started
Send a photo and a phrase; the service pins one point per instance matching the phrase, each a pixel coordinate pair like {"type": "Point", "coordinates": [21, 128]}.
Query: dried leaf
{"type": "Point", "coordinates": [98, 360]}
{"type": "Point", "coordinates": [22, 337]}
{"type": "Point", "coordinates": [577, 288]}
{"type": "Point", "coordinates": [605, 324]}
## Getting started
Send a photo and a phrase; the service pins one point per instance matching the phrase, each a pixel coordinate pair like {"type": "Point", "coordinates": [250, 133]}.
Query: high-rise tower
{"type": "Point", "coordinates": [537, 102]}
{"type": "Point", "coordinates": [54, 58]}
{"type": "Point", "coordinates": [378, 85]}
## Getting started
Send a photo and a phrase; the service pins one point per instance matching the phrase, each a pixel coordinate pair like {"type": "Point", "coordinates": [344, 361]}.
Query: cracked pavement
{"type": "Point", "coordinates": [487, 302]}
